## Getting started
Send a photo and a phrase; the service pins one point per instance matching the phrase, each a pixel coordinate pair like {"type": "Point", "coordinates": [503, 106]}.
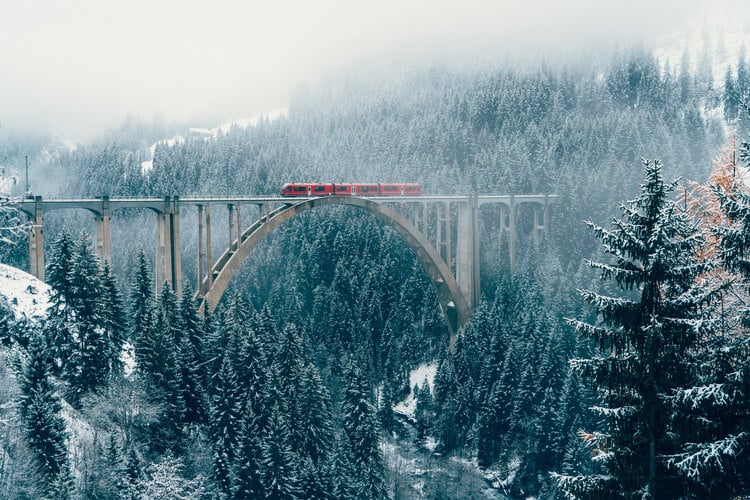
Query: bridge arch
{"type": "Point", "coordinates": [452, 301]}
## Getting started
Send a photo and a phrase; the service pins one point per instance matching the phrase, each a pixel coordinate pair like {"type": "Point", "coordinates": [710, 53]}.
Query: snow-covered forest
{"type": "Point", "coordinates": [611, 362]}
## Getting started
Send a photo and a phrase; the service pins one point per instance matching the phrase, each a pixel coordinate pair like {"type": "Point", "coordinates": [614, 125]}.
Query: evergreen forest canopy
{"type": "Point", "coordinates": [288, 390]}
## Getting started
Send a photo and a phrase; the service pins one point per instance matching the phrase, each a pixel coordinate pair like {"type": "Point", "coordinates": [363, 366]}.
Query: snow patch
{"type": "Point", "coordinates": [23, 294]}
{"type": "Point", "coordinates": [416, 376]}
{"type": "Point", "coordinates": [127, 357]}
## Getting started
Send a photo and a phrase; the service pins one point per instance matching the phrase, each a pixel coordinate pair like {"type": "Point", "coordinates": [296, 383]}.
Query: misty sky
{"type": "Point", "coordinates": [75, 67]}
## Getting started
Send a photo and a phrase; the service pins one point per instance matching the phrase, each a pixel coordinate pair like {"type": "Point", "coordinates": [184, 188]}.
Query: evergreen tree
{"type": "Point", "coordinates": [142, 311]}
{"type": "Point", "coordinates": [280, 469]}
{"type": "Point", "coordinates": [224, 424]}
{"type": "Point", "coordinates": [44, 428]}
{"type": "Point", "coordinates": [58, 316]}
{"type": "Point", "coordinates": [315, 425]}
{"type": "Point", "coordinates": [424, 413]}
{"type": "Point", "coordinates": [644, 339]}
{"type": "Point", "coordinates": [731, 96]}
{"type": "Point", "coordinates": [189, 344]}
{"type": "Point", "coordinates": [362, 437]}
{"type": "Point", "coordinates": [89, 365]}
{"type": "Point", "coordinates": [247, 483]}
{"type": "Point", "coordinates": [115, 319]}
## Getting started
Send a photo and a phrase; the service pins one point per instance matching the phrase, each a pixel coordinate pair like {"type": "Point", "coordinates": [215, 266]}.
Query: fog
{"type": "Point", "coordinates": [73, 68]}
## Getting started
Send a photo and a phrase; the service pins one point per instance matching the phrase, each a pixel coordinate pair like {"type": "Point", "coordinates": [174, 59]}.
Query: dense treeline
{"type": "Point", "coordinates": [334, 309]}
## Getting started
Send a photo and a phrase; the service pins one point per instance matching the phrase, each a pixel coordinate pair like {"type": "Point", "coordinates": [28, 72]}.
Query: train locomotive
{"type": "Point", "coordinates": [306, 189]}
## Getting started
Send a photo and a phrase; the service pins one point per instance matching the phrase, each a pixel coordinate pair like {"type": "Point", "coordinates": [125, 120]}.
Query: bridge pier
{"type": "Point", "coordinates": [508, 223]}
{"type": "Point", "coordinates": [467, 251]}
{"type": "Point", "coordinates": [36, 240]}
{"type": "Point", "coordinates": [103, 244]}
{"type": "Point", "coordinates": [205, 278]}
{"type": "Point", "coordinates": [168, 258]}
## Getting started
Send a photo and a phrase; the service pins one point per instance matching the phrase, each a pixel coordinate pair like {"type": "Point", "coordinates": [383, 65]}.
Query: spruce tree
{"type": "Point", "coordinates": [58, 316]}
{"type": "Point", "coordinates": [89, 365]}
{"type": "Point", "coordinates": [280, 477]}
{"type": "Point", "coordinates": [643, 338]}
{"type": "Point", "coordinates": [44, 428]}
{"type": "Point", "coordinates": [316, 422]}
{"type": "Point", "coordinates": [224, 424]}
{"type": "Point", "coordinates": [362, 437]}
{"type": "Point", "coordinates": [115, 319]}
{"type": "Point", "coordinates": [142, 311]}
{"type": "Point", "coordinates": [189, 342]}
{"type": "Point", "coordinates": [247, 482]}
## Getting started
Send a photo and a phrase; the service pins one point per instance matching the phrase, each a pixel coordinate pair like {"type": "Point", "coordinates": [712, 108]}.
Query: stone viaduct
{"type": "Point", "coordinates": [443, 232]}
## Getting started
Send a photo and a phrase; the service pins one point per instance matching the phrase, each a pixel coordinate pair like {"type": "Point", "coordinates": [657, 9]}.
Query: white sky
{"type": "Point", "coordinates": [77, 66]}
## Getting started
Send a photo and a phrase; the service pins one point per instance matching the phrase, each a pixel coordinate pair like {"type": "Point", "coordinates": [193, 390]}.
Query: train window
{"type": "Point", "coordinates": [319, 188]}
{"type": "Point", "coordinates": [341, 188]}
{"type": "Point", "coordinates": [299, 188]}
{"type": "Point", "coordinates": [390, 188]}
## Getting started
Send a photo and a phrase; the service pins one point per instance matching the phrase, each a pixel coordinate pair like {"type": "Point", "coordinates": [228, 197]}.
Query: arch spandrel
{"type": "Point", "coordinates": [452, 301]}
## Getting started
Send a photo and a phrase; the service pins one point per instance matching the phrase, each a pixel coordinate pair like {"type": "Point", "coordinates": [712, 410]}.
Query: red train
{"type": "Point", "coordinates": [373, 189]}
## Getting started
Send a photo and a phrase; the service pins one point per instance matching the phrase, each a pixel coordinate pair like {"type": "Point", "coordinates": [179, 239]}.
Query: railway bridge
{"type": "Point", "coordinates": [443, 232]}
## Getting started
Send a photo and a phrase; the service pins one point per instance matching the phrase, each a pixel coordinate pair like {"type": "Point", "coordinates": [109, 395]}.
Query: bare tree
{"type": "Point", "coordinates": [12, 228]}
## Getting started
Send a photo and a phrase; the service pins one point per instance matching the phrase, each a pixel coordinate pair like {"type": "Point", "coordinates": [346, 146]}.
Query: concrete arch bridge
{"type": "Point", "coordinates": [442, 231]}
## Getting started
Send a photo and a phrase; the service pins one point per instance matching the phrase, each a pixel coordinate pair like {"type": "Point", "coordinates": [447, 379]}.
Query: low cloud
{"type": "Point", "coordinates": [79, 66]}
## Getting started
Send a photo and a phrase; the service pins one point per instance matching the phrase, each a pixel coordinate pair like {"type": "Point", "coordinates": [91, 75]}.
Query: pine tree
{"type": "Point", "coordinates": [423, 413]}
{"type": "Point", "coordinates": [115, 319]}
{"type": "Point", "coordinates": [189, 344]}
{"type": "Point", "coordinates": [58, 316]}
{"type": "Point", "coordinates": [247, 483]}
{"type": "Point", "coordinates": [315, 481]}
{"type": "Point", "coordinates": [224, 424]}
{"type": "Point", "coordinates": [44, 428]}
{"type": "Point", "coordinates": [89, 366]}
{"type": "Point", "coordinates": [385, 408]}
{"type": "Point", "coordinates": [280, 469]}
{"type": "Point", "coordinates": [315, 424]}
{"type": "Point", "coordinates": [644, 339]}
{"type": "Point", "coordinates": [142, 311]}
{"type": "Point", "coordinates": [362, 437]}
{"type": "Point", "coordinates": [731, 96]}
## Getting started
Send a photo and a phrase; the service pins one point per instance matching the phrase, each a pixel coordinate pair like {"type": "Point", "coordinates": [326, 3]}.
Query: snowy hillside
{"type": "Point", "coordinates": [23, 294]}
{"type": "Point", "coordinates": [425, 371]}
{"type": "Point", "coordinates": [209, 133]}
{"type": "Point", "coordinates": [716, 40]}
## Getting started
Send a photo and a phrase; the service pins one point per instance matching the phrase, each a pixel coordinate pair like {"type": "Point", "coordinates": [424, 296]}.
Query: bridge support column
{"type": "Point", "coordinates": [209, 260]}
{"type": "Point", "coordinates": [103, 245]}
{"type": "Point", "coordinates": [508, 223]}
{"type": "Point", "coordinates": [443, 231]}
{"type": "Point", "coordinates": [512, 232]}
{"type": "Point", "coordinates": [201, 254]}
{"type": "Point", "coordinates": [168, 259]}
{"type": "Point", "coordinates": [467, 251]}
{"type": "Point", "coordinates": [230, 209]}
{"type": "Point", "coordinates": [36, 241]}
{"type": "Point", "coordinates": [205, 278]}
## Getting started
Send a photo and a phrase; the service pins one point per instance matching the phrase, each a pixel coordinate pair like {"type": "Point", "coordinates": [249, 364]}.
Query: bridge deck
{"type": "Point", "coordinates": [159, 203]}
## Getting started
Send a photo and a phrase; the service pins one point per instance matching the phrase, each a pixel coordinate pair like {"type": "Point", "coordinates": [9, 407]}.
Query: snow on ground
{"type": "Point", "coordinates": [210, 133]}
{"type": "Point", "coordinates": [127, 357]}
{"type": "Point", "coordinates": [416, 377]}
{"type": "Point", "coordinates": [23, 294]}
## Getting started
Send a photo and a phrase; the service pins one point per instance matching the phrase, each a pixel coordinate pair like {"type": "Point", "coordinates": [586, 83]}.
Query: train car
{"type": "Point", "coordinates": [306, 189]}
{"type": "Point", "coordinates": [410, 189]}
